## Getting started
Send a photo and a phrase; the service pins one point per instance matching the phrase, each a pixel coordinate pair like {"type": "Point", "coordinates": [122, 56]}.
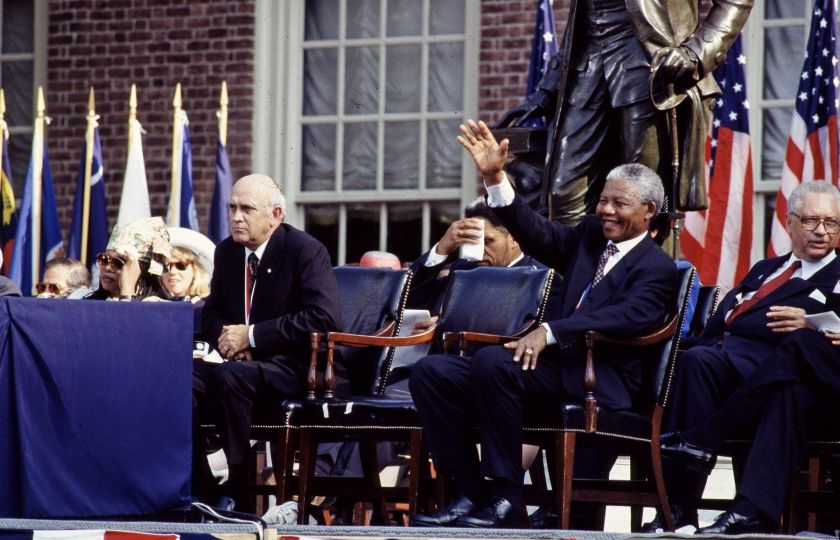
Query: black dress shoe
{"type": "Point", "coordinates": [543, 517]}
{"type": "Point", "coordinates": [681, 517]}
{"type": "Point", "coordinates": [691, 456]}
{"type": "Point", "coordinates": [446, 517]}
{"type": "Point", "coordinates": [499, 514]}
{"type": "Point", "coordinates": [732, 523]}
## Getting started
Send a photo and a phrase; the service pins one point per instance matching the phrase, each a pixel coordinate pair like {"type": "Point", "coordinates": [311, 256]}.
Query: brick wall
{"type": "Point", "coordinates": [155, 44]}
{"type": "Point", "coordinates": [507, 27]}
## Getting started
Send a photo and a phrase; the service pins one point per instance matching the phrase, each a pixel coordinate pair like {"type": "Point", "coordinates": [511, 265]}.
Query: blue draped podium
{"type": "Point", "coordinates": [95, 407]}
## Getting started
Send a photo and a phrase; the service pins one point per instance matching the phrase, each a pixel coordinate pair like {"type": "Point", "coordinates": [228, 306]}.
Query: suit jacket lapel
{"type": "Point", "coordinates": [268, 270]}
{"type": "Point", "coordinates": [618, 274]}
{"type": "Point", "coordinates": [824, 278]}
{"type": "Point", "coordinates": [581, 274]}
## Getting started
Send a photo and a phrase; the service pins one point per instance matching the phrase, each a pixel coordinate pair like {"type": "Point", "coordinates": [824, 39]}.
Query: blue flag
{"type": "Point", "coordinates": [27, 265]}
{"type": "Point", "coordinates": [544, 44]}
{"type": "Point", "coordinates": [8, 227]}
{"type": "Point", "coordinates": [97, 215]}
{"type": "Point", "coordinates": [219, 228]}
{"type": "Point", "coordinates": [189, 216]}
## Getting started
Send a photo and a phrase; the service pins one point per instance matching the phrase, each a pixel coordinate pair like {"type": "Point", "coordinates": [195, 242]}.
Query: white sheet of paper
{"type": "Point", "coordinates": [405, 356]}
{"type": "Point", "coordinates": [825, 322]}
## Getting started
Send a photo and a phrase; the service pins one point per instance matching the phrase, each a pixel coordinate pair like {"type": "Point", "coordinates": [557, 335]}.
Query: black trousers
{"type": "Point", "coordinates": [705, 377]}
{"type": "Point", "coordinates": [231, 395]}
{"type": "Point", "coordinates": [454, 394]}
{"type": "Point", "coordinates": [794, 394]}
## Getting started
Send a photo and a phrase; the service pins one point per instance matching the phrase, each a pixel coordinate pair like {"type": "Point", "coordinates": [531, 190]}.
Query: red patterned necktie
{"type": "Point", "coordinates": [253, 264]}
{"type": "Point", "coordinates": [608, 252]}
{"type": "Point", "coordinates": [764, 290]}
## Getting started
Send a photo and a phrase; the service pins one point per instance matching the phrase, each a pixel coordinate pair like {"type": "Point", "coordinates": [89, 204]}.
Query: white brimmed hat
{"type": "Point", "coordinates": [200, 245]}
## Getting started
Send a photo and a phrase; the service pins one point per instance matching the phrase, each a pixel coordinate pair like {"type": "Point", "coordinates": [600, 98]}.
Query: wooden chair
{"type": "Point", "coordinates": [484, 299]}
{"type": "Point", "coordinates": [633, 432]}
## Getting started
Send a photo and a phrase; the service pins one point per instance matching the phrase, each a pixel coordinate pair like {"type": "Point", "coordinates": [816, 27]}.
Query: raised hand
{"type": "Point", "coordinates": [489, 156]}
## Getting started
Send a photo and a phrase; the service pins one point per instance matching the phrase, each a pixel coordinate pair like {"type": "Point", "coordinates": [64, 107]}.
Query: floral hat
{"type": "Point", "coordinates": [144, 239]}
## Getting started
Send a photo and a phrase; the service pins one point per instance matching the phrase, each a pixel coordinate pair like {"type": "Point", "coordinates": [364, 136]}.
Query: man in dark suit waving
{"type": "Point", "coordinates": [272, 286]}
{"type": "Point", "coordinates": [748, 327]}
{"type": "Point", "coordinates": [618, 282]}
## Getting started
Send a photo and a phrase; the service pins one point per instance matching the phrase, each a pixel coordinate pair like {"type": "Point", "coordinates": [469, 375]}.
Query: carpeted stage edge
{"type": "Point", "coordinates": [294, 532]}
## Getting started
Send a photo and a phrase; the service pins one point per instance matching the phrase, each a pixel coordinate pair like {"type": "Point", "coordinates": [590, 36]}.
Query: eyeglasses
{"type": "Point", "coordinates": [180, 265]}
{"type": "Point", "coordinates": [105, 260]}
{"type": "Point", "coordinates": [51, 288]}
{"type": "Point", "coordinates": [810, 223]}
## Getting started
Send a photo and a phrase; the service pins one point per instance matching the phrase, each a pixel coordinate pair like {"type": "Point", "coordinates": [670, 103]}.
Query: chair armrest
{"type": "Point", "coordinates": [492, 339]}
{"type": "Point", "coordinates": [359, 340]}
{"type": "Point", "coordinates": [590, 381]}
{"type": "Point", "coordinates": [312, 378]}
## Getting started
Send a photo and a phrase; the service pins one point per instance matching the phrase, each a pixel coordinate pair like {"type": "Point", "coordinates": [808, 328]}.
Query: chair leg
{"type": "Point", "coordinates": [416, 455]}
{"type": "Point", "coordinates": [282, 459]}
{"type": "Point", "coordinates": [659, 480]}
{"type": "Point", "coordinates": [564, 448]}
{"type": "Point", "coordinates": [308, 452]}
{"type": "Point", "coordinates": [370, 466]}
{"type": "Point", "coordinates": [636, 473]}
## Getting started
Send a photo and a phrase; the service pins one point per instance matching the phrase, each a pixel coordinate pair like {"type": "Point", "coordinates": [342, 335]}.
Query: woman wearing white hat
{"type": "Point", "coordinates": [191, 265]}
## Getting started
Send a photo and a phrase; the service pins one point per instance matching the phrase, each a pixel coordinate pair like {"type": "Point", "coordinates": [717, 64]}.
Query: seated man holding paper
{"type": "Point", "coordinates": [747, 330]}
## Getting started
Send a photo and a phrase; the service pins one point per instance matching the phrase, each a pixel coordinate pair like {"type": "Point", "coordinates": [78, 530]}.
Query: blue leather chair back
{"type": "Point", "coordinates": [495, 300]}
{"type": "Point", "coordinates": [370, 298]}
{"type": "Point", "coordinates": [663, 367]}
{"type": "Point", "coordinates": [706, 303]}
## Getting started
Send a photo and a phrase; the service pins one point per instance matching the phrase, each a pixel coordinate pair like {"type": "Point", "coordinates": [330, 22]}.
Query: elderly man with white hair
{"type": "Point", "coordinates": [272, 286]}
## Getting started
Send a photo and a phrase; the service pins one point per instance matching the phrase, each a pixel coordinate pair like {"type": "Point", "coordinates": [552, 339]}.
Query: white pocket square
{"type": "Point", "coordinates": [836, 289]}
{"type": "Point", "coordinates": [818, 296]}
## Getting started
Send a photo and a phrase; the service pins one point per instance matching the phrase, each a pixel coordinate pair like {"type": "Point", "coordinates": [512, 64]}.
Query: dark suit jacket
{"type": "Point", "coordinates": [633, 299]}
{"type": "Point", "coordinates": [747, 340]}
{"type": "Point", "coordinates": [8, 287]}
{"type": "Point", "coordinates": [296, 293]}
{"type": "Point", "coordinates": [428, 288]}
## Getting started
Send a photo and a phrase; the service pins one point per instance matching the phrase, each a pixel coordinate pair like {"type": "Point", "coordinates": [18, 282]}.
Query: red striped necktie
{"type": "Point", "coordinates": [764, 290]}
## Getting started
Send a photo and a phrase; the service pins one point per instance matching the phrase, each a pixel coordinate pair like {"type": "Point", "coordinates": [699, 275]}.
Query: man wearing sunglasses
{"type": "Point", "coordinates": [63, 276]}
{"type": "Point", "coordinates": [737, 344]}
{"type": "Point", "coordinates": [272, 286]}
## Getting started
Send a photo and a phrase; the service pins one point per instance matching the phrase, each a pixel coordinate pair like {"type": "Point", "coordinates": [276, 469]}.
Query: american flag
{"type": "Point", "coordinates": [812, 147]}
{"type": "Point", "coordinates": [718, 240]}
{"type": "Point", "coordinates": [543, 47]}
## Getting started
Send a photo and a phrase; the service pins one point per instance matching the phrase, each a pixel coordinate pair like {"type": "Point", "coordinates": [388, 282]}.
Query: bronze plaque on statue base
{"type": "Point", "coordinates": [523, 140]}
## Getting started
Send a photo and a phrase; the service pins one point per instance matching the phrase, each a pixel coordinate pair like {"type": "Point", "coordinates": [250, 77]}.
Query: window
{"type": "Point", "coordinates": [22, 65]}
{"type": "Point", "coordinates": [372, 116]}
{"type": "Point", "coordinates": [776, 36]}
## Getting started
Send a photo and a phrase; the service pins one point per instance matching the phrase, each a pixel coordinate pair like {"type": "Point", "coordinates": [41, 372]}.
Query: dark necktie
{"type": "Point", "coordinates": [608, 252]}
{"type": "Point", "coordinates": [253, 264]}
{"type": "Point", "coordinates": [764, 290]}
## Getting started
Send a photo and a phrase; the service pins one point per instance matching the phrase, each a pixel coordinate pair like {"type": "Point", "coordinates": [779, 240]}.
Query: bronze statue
{"type": "Point", "coordinates": [597, 95]}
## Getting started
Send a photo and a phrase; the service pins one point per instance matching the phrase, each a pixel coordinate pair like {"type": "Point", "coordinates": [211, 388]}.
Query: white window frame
{"type": "Point", "coordinates": [278, 98]}
{"type": "Point", "coordinates": [754, 36]}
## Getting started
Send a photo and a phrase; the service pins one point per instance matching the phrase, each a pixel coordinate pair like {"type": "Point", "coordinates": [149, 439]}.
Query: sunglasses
{"type": "Point", "coordinates": [180, 265]}
{"type": "Point", "coordinates": [51, 288]}
{"type": "Point", "coordinates": [104, 260]}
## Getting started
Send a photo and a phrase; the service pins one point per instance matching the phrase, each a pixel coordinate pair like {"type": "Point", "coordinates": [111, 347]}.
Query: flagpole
{"type": "Point", "coordinates": [37, 171]}
{"type": "Point", "coordinates": [91, 127]}
{"type": "Point", "coordinates": [4, 128]}
{"type": "Point", "coordinates": [222, 114]}
{"type": "Point", "coordinates": [174, 215]}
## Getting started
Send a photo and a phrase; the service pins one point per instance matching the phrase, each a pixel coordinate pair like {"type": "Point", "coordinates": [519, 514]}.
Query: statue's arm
{"type": "Point", "coordinates": [542, 101]}
{"type": "Point", "coordinates": [715, 35]}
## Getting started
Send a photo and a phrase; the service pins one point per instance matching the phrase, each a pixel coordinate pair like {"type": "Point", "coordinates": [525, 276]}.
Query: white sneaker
{"type": "Point", "coordinates": [282, 514]}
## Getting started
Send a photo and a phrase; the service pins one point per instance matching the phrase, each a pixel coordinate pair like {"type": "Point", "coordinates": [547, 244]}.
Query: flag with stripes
{"type": "Point", "coordinates": [38, 237]}
{"type": "Point", "coordinates": [97, 213]}
{"type": "Point", "coordinates": [812, 147]}
{"type": "Point", "coordinates": [219, 227]}
{"type": "Point", "coordinates": [718, 240]}
{"type": "Point", "coordinates": [182, 212]}
{"type": "Point", "coordinates": [7, 200]}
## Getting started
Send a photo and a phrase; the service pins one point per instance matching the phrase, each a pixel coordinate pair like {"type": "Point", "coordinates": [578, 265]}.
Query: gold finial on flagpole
{"type": "Point", "coordinates": [222, 115]}
{"type": "Point", "coordinates": [89, 136]}
{"type": "Point", "coordinates": [174, 213]}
